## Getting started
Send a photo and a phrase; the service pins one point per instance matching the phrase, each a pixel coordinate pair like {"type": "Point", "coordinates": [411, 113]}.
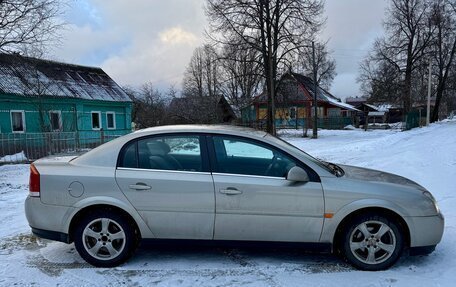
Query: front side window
{"type": "Point", "coordinates": [179, 153]}
{"type": "Point", "coordinates": [243, 156]}
{"type": "Point", "coordinates": [111, 120]}
{"type": "Point", "coordinates": [56, 120]}
{"type": "Point", "coordinates": [96, 121]}
{"type": "Point", "coordinates": [17, 121]}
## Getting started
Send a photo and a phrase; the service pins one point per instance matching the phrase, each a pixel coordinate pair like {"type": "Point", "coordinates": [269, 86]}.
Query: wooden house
{"type": "Point", "coordinates": [44, 96]}
{"type": "Point", "coordinates": [200, 110]}
{"type": "Point", "coordinates": [294, 105]}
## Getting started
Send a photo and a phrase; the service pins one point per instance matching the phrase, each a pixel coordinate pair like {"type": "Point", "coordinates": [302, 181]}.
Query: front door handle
{"type": "Point", "coordinates": [140, 186]}
{"type": "Point", "coordinates": [230, 191]}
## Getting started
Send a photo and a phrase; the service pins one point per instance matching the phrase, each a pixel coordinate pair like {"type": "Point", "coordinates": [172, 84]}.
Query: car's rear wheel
{"type": "Point", "coordinates": [372, 242]}
{"type": "Point", "coordinates": [105, 239]}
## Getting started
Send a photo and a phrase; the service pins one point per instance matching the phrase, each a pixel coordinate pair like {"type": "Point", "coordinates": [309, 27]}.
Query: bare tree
{"type": "Point", "coordinates": [28, 25]}
{"type": "Point", "coordinates": [443, 48]}
{"type": "Point", "coordinates": [408, 35]}
{"type": "Point", "coordinates": [417, 32]}
{"type": "Point", "coordinates": [149, 106]}
{"type": "Point", "coordinates": [201, 76]}
{"type": "Point", "coordinates": [241, 75]}
{"type": "Point", "coordinates": [324, 64]}
{"type": "Point", "coordinates": [274, 28]}
{"type": "Point", "coordinates": [380, 81]}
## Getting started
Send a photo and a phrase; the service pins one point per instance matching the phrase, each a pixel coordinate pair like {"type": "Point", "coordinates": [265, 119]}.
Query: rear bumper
{"type": "Point", "coordinates": [47, 220]}
{"type": "Point", "coordinates": [51, 235]}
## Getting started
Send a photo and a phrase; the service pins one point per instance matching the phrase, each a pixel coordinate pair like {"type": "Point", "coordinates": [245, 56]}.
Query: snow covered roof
{"type": "Point", "coordinates": [376, 114]}
{"type": "Point", "coordinates": [375, 108]}
{"type": "Point", "coordinates": [31, 77]}
{"type": "Point", "coordinates": [342, 105]}
{"type": "Point", "coordinates": [322, 94]}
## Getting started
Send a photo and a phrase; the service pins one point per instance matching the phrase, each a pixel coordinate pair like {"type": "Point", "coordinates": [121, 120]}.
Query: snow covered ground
{"type": "Point", "coordinates": [425, 155]}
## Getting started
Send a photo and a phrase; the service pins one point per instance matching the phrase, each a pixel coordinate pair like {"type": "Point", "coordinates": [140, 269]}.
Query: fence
{"type": "Point", "coordinates": [23, 147]}
{"type": "Point", "coordinates": [331, 123]}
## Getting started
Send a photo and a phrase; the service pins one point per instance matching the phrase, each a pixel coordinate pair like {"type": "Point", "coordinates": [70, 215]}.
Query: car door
{"type": "Point", "coordinates": [254, 201]}
{"type": "Point", "coordinates": [167, 179]}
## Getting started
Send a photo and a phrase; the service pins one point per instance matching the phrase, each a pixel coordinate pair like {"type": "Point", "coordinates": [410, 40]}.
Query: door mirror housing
{"type": "Point", "coordinates": [297, 174]}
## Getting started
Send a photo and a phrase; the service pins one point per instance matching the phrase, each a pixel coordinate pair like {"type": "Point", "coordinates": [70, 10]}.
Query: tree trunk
{"type": "Point", "coordinates": [407, 100]}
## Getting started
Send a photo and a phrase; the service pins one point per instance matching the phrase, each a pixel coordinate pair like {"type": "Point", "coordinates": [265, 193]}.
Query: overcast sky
{"type": "Point", "coordinates": [138, 41]}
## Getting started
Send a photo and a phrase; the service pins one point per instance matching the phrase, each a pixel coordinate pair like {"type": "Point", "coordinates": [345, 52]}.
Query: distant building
{"type": "Point", "coordinates": [294, 105]}
{"type": "Point", "coordinates": [356, 101]}
{"type": "Point", "coordinates": [200, 110]}
{"type": "Point", "coordinates": [45, 96]}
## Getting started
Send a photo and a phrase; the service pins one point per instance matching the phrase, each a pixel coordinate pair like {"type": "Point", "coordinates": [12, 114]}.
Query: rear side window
{"type": "Point", "coordinates": [130, 156]}
{"type": "Point", "coordinates": [173, 152]}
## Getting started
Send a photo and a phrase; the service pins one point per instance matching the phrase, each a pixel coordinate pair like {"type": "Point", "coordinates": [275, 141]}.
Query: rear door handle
{"type": "Point", "coordinates": [140, 186]}
{"type": "Point", "coordinates": [230, 191]}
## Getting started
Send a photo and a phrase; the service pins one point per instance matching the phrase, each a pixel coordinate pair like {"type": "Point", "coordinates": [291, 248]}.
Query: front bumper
{"type": "Point", "coordinates": [425, 230]}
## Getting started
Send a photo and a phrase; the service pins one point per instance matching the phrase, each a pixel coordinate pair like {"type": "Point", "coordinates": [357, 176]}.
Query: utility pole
{"type": "Point", "coordinates": [272, 91]}
{"type": "Point", "coordinates": [315, 131]}
{"type": "Point", "coordinates": [428, 107]}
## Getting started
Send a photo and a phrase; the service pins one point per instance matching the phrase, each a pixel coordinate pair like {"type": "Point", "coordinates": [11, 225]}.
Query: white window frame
{"type": "Point", "coordinates": [23, 121]}
{"type": "Point", "coordinates": [295, 112]}
{"type": "Point", "coordinates": [99, 120]}
{"type": "Point", "coordinates": [113, 120]}
{"type": "Point", "coordinates": [60, 120]}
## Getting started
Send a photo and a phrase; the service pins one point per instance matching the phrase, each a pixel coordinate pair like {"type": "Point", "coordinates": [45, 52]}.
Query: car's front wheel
{"type": "Point", "coordinates": [372, 242]}
{"type": "Point", "coordinates": [105, 239]}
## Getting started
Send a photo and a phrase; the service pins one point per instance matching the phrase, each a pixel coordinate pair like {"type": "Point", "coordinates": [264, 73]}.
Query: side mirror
{"type": "Point", "coordinates": [297, 174]}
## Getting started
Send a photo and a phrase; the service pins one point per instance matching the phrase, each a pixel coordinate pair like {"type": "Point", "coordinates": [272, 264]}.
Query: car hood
{"type": "Point", "coordinates": [365, 174]}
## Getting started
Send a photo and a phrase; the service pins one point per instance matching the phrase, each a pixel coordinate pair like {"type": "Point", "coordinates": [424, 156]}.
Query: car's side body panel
{"type": "Point", "coordinates": [344, 196]}
{"type": "Point", "coordinates": [177, 205]}
{"type": "Point", "coordinates": [267, 208]}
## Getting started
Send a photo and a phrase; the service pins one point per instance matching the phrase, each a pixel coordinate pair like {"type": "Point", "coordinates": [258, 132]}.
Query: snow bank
{"type": "Point", "coordinates": [426, 155]}
{"type": "Point", "coordinates": [15, 158]}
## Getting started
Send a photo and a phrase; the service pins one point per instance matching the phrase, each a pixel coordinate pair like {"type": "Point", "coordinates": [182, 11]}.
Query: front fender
{"type": "Point", "coordinates": [330, 224]}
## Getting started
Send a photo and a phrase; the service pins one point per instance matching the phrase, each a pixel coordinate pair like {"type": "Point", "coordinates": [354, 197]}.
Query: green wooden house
{"type": "Point", "coordinates": [45, 97]}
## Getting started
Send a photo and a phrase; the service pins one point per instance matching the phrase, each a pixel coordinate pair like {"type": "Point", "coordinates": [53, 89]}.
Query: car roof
{"type": "Point", "coordinates": [222, 129]}
{"type": "Point", "coordinates": [106, 154]}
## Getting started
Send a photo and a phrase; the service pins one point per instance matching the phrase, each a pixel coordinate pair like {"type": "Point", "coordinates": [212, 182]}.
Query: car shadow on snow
{"type": "Point", "coordinates": [197, 259]}
{"type": "Point", "coordinates": [230, 255]}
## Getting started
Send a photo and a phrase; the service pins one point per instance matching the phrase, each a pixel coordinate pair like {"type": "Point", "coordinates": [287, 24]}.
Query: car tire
{"type": "Point", "coordinates": [372, 242]}
{"type": "Point", "coordinates": [105, 239]}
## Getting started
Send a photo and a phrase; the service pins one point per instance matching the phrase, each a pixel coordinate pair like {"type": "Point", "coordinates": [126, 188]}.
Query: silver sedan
{"type": "Point", "coordinates": [222, 183]}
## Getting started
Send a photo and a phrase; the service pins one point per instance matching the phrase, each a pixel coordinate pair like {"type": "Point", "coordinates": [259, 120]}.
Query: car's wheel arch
{"type": "Point", "coordinates": [376, 210]}
{"type": "Point", "coordinates": [109, 204]}
{"type": "Point", "coordinates": [332, 226]}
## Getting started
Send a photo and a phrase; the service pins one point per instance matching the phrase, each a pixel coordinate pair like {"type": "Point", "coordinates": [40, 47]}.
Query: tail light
{"type": "Point", "coordinates": [34, 182]}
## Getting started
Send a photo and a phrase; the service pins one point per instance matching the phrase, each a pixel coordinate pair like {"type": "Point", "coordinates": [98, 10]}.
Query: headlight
{"type": "Point", "coordinates": [432, 199]}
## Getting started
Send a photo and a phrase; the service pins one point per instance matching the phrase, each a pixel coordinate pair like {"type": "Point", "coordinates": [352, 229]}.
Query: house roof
{"type": "Point", "coordinates": [197, 108]}
{"type": "Point", "coordinates": [31, 77]}
{"type": "Point", "coordinates": [307, 83]}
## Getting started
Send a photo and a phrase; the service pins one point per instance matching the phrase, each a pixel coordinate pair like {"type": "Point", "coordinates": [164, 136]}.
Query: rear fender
{"type": "Point", "coordinates": [110, 201]}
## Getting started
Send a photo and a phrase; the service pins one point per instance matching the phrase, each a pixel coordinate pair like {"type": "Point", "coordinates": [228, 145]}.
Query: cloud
{"type": "Point", "coordinates": [160, 60]}
{"type": "Point", "coordinates": [352, 26]}
{"type": "Point", "coordinates": [134, 41]}
{"type": "Point", "coordinates": [177, 35]}
{"type": "Point", "coordinates": [138, 41]}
